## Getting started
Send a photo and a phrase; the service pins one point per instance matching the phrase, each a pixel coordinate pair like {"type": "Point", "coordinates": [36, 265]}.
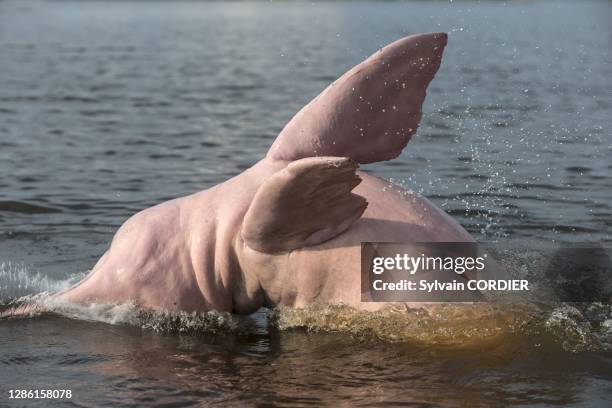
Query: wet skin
{"type": "Point", "coordinates": [288, 230]}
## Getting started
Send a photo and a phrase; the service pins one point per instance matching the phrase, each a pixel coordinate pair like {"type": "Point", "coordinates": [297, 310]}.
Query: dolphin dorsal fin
{"type": "Point", "coordinates": [370, 113]}
{"type": "Point", "coordinates": [306, 203]}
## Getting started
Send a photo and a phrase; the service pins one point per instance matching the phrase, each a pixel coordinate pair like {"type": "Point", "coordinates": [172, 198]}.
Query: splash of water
{"type": "Point", "coordinates": [461, 325]}
{"type": "Point", "coordinates": [574, 328]}
{"type": "Point", "coordinates": [129, 313]}
{"type": "Point", "coordinates": [16, 281]}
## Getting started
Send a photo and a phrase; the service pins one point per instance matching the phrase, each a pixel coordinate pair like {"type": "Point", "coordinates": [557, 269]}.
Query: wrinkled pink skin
{"type": "Point", "coordinates": [188, 253]}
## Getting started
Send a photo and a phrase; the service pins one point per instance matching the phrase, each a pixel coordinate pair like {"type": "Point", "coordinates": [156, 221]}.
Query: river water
{"type": "Point", "coordinates": [107, 108]}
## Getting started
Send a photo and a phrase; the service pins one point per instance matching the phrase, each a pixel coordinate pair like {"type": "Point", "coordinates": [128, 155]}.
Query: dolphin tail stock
{"type": "Point", "coordinates": [370, 113]}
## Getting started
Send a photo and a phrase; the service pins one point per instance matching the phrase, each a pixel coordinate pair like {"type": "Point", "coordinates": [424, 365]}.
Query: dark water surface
{"type": "Point", "coordinates": [110, 107]}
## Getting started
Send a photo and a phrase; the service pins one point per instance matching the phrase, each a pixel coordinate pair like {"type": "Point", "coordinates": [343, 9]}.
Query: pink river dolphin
{"type": "Point", "coordinates": [288, 231]}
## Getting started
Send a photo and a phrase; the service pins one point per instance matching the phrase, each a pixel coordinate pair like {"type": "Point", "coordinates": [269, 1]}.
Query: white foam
{"type": "Point", "coordinates": [123, 313]}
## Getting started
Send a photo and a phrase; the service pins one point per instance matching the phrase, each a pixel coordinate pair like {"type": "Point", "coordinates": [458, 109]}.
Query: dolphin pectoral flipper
{"type": "Point", "coordinates": [308, 202]}
{"type": "Point", "coordinates": [370, 113]}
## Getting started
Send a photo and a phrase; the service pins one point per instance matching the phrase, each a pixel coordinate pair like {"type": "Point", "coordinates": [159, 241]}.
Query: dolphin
{"type": "Point", "coordinates": [288, 231]}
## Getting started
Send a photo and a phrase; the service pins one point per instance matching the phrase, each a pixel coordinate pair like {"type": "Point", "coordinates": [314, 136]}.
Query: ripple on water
{"type": "Point", "coordinates": [27, 208]}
